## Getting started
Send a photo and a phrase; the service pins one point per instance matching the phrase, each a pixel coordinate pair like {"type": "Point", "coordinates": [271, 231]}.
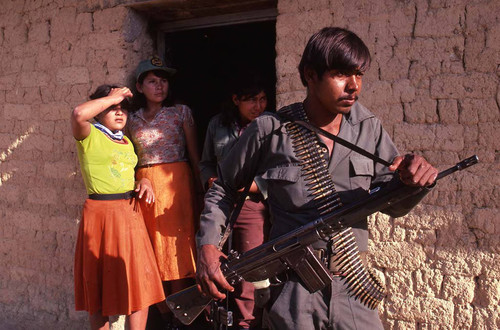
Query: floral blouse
{"type": "Point", "coordinates": [162, 139]}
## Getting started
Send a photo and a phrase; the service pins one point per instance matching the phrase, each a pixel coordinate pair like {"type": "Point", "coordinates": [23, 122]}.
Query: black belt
{"type": "Point", "coordinates": [111, 197]}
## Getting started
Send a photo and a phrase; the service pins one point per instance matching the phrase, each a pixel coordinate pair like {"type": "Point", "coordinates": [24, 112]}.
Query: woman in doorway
{"type": "Point", "coordinates": [115, 268]}
{"type": "Point", "coordinates": [248, 101]}
{"type": "Point", "coordinates": [164, 135]}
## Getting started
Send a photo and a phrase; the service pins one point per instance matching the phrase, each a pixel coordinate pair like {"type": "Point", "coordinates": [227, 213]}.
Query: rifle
{"type": "Point", "coordinates": [293, 250]}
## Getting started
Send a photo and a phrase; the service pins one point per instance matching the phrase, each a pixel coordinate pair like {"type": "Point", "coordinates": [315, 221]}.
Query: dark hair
{"type": "Point", "coordinates": [334, 48]}
{"type": "Point", "coordinates": [139, 100]}
{"type": "Point", "coordinates": [246, 84]}
{"type": "Point", "coordinates": [104, 90]}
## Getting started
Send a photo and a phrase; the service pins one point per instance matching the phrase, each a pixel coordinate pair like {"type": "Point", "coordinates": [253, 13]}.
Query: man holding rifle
{"type": "Point", "coordinates": [308, 174]}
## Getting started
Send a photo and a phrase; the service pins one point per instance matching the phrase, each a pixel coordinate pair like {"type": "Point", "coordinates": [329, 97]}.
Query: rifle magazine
{"type": "Point", "coordinates": [311, 271]}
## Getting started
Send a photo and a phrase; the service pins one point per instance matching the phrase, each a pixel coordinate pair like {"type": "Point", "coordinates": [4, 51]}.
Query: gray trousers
{"type": "Point", "coordinates": [331, 308]}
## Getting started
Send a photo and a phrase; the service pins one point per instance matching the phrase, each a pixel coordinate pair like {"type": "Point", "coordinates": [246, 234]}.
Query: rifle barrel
{"type": "Point", "coordinates": [459, 166]}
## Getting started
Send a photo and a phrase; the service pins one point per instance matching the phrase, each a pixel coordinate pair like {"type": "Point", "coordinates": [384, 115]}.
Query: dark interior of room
{"type": "Point", "coordinates": [207, 60]}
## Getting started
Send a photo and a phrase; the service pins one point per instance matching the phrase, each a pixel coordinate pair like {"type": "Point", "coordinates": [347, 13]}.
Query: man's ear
{"type": "Point", "coordinates": [309, 74]}
{"type": "Point", "coordinates": [236, 100]}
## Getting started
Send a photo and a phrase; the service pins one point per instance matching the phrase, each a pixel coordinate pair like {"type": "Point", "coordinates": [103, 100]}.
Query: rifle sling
{"type": "Point", "coordinates": [341, 141]}
{"type": "Point", "coordinates": [232, 219]}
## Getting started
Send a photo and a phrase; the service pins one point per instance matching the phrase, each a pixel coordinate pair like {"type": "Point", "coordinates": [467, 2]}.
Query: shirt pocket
{"type": "Point", "coordinates": [219, 150]}
{"type": "Point", "coordinates": [222, 147]}
{"type": "Point", "coordinates": [285, 186]}
{"type": "Point", "coordinates": [361, 172]}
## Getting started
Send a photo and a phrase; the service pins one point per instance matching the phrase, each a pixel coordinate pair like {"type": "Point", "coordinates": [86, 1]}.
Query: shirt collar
{"type": "Point", "coordinates": [357, 114]}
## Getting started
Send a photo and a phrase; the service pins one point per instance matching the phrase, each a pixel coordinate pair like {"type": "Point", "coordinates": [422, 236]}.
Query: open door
{"type": "Point", "coordinates": [207, 59]}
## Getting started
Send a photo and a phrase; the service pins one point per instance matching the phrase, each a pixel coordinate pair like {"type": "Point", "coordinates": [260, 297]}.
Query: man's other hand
{"type": "Point", "coordinates": [209, 277]}
{"type": "Point", "coordinates": [414, 170]}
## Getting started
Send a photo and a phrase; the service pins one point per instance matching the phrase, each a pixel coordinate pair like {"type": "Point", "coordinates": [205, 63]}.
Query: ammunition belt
{"type": "Point", "coordinates": [314, 168]}
{"type": "Point", "coordinates": [342, 256]}
{"type": "Point", "coordinates": [331, 262]}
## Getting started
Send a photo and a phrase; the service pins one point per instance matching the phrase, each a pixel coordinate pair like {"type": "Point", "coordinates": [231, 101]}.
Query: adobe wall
{"type": "Point", "coordinates": [53, 54]}
{"type": "Point", "coordinates": [433, 82]}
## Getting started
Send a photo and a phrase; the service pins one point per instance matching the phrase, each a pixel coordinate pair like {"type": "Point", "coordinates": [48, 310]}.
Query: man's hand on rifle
{"type": "Point", "coordinates": [209, 276]}
{"type": "Point", "coordinates": [414, 170]}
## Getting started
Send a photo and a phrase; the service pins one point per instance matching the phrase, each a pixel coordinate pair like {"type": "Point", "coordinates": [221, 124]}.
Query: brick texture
{"type": "Point", "coordinates": [54, 53]}
{"type": "Point", "coordinates": [434, 82]}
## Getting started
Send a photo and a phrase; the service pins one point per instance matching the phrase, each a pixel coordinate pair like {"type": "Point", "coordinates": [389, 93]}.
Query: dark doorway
{"type": "Point", "coordinates": [208, 58]}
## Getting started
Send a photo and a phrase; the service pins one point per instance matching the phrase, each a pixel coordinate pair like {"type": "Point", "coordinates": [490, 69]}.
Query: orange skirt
{"type": "Point", "coordinates": [171, 219]}
{"type": "Point", "coordinates": [115, 268]}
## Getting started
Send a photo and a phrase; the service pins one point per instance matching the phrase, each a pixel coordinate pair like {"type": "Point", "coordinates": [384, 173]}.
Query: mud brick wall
{"type": "Point", "coordinates": [434, 82]}
{"type": "Point", "coordinates": [53, 54]}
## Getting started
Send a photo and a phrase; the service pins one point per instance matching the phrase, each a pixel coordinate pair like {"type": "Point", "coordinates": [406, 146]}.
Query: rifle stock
{"type": "Point", "coordinates": [293, 251]}
{"type": "Point", "coordinates": [187, 304]}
